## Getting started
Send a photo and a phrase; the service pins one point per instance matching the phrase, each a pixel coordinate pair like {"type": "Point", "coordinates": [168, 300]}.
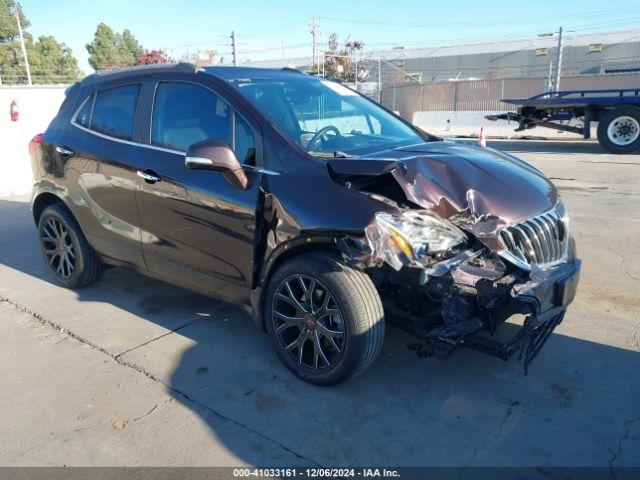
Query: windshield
{"type": "Point", "coordinates": [325, 117]}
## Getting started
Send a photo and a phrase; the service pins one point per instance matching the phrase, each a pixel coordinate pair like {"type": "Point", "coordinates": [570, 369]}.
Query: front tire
{"type": "Point", "coordinates": [619, 130]}
{"type": "Point", "coordinates": [325, 319]}
{"type": "Point", "coordinates": [65, 250]}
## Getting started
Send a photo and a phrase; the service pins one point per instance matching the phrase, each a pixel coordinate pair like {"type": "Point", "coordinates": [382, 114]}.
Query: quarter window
{"type": "Point", "coordinates": [184, 114]}
{"type": "Point", "coordinates": [114, 111]}
{"type": "Point", "coordinates": [84, 115]}
{"type": "Point", "coordinates": [245, 143]}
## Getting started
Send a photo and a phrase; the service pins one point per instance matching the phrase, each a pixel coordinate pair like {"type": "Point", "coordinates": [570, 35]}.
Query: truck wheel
{"type": "Point", "coordinates": [65, 251]}
{"type": "Point", "coordinates": [325, 319]}
{"type": "Point", "coordinates": [619, 130]}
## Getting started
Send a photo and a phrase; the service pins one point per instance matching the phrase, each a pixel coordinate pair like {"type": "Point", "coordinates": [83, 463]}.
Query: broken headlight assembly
{"type": "Point", "coordinates": [411, 237]}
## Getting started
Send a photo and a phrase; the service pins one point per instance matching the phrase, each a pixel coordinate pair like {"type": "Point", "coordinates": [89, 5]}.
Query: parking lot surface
{"type": "Point", "coordinates": [133, 371]}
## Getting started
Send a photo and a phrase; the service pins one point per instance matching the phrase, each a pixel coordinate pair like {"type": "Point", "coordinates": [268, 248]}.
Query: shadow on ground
{"type": "Point", "coordinates": [578, 406]}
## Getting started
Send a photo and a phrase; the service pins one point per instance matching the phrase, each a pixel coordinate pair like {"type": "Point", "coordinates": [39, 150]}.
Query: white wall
{"type": "Point", "coordinates": [467, 124]}
{"type": "Point", "coordinates": [37, 105]}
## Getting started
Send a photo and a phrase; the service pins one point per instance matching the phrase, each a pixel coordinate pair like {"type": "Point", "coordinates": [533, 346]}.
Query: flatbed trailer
{"type": "Point", "coordinates": [616, 111]}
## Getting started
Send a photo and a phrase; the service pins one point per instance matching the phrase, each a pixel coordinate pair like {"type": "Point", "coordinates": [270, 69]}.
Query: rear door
{"type": "Point", "coordinates": [198, 229]}
{"type": "Point", "coordinates": [97, 154]}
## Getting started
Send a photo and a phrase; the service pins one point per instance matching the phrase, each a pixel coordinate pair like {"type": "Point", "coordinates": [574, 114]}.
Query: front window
{"type": "Point", "coordinates": [325, 117]}
{"type": "Point", "coordinates": [185, 113]}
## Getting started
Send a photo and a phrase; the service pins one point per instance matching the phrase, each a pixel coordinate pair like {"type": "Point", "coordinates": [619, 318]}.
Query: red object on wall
{"type": "Point", "coordinates": [15, 112]}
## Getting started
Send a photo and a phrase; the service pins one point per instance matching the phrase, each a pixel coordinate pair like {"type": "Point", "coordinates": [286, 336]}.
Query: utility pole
{"type": "Point", "coordinates": [379, 80]}
{"type": "Point", "coordinates": [559, 61]}
{"type": "Point", "coordinates": [283, 65]}
{"type": "Point", "coordinates": [24, 50]}
{"type": "Point", "coordinates": [315, 31]}
{"type": "Point", "coordinates": [234, 48]}
{"type": "Point", "coordinates": [356, 75]}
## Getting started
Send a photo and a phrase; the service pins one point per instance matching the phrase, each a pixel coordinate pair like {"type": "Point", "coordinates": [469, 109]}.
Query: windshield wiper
{"type": "Point", "coordinates": [336, 154]}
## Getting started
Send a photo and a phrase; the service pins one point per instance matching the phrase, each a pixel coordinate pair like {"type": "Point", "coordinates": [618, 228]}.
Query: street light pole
{"type": "Point", "coordinates": [559, 61]}
{"type": "Point", "coordinates": [24, 50]}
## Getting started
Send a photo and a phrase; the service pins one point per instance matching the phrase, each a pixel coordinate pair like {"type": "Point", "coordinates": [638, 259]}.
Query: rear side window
{"type": "Point", "coordinates": [114, 111]}
{"type": "Point", "coordinates": [184, 114]}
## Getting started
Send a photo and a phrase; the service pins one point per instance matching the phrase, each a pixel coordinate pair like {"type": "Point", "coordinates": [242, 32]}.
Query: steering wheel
{"type": "Point", "coordinates": [320, 134]}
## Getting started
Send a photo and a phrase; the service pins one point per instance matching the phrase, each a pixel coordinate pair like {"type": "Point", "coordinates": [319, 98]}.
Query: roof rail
{"type": "Point", "coordinates": [140, 71]}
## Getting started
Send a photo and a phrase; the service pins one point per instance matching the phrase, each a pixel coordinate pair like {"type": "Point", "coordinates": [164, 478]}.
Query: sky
{"type": "Point", "coordinates": [265, 28]}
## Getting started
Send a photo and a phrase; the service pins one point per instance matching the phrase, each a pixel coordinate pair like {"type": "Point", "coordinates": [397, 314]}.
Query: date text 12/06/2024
{"type": "Point", "coordinates": [316, 473]}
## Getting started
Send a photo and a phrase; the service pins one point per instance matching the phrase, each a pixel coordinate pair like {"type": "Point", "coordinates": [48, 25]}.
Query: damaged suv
{"type": "Point", "coordinates": [313, 207]}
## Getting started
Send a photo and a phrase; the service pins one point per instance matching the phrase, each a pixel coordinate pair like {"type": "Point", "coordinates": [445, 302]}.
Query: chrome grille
{"type": "Point", "coordinates": [541, 240]}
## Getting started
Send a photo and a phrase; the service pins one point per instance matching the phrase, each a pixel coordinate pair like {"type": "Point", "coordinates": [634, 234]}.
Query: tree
{"type": "Point", "coordinates": [338, 61]}
{"type": "Point", "coordinates": [153, 57]}
{"type": "Point", "coordinates": [8, 24]}
{"type": "Point", "coordinates": [50, 61]}
{"type": "Point", "coordinates": [113, 50]}
{"type": "Point", "coordinates": [129, 47]}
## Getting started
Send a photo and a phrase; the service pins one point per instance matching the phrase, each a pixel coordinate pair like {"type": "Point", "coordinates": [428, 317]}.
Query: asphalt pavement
{"type": "Point", "coordinates": [133, 371]}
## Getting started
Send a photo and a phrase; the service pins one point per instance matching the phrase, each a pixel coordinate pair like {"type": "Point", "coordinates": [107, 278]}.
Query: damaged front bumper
{"type": "Point", "coordinates": [544, 302]}
{"type": "Point", "coordinates": [462, 301]}
{"type": "Point", "coordinates": [474, 306]}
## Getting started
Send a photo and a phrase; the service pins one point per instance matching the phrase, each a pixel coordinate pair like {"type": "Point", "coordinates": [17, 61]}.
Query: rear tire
{"type": "Point", "coordinates": [65, 250]}
{"type": "Point", "coordinates": [335, 318]}
{"type": "Point", "coordinates": [619, 130]}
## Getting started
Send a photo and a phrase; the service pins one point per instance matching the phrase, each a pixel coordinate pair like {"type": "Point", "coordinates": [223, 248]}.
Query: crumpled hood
{"type": "Point", "coordinates": [479, 189]}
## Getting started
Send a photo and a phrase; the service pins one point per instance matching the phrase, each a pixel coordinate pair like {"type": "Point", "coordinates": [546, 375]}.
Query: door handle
{"type": "Point", "coordinates": [64, 151]}
{"type": "Point", "coordinates": [149, 176]}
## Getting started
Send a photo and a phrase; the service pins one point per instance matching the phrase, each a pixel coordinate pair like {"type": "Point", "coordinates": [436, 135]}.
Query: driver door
{"type": "Point", "coordinates": [198, 230]}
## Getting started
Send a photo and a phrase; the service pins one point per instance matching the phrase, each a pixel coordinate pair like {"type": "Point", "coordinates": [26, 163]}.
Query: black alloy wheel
{"type": "Point", "coordinates": [324, 317]}
{"type": "Point", "coordinates": [65, 250]}
{"type": "Point", "coordinates": [58, 248]}
{"type": "Point", "coordinates": [308, 322]}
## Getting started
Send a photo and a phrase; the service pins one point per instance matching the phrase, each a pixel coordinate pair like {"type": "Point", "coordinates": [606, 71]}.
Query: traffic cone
{"type": "Point", "coordinates": [482, 142]}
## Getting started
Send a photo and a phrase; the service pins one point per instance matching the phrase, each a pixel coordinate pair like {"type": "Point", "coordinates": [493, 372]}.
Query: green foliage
{"type": "Point", "coordinates": [113, 50]}
{"type": "Point", "coordinates": [50, 61]}
{"type": "Point", "coordinates": [8, 24]}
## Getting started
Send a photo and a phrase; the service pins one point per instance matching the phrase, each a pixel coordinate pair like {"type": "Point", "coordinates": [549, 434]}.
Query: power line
{"type": "Point", "coordinates": [488, 23]}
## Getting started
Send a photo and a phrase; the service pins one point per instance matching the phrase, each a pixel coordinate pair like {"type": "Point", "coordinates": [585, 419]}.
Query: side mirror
{"type": "Point", "coordinates": [215, 154]}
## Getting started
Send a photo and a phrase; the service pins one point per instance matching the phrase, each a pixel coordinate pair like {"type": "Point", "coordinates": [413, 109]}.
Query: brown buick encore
{"type": "Point", "coordinates": [319, 211]}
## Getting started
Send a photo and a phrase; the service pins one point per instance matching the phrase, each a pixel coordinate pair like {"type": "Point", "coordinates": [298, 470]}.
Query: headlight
{"type": "Point", "coordinates": [405, 238]}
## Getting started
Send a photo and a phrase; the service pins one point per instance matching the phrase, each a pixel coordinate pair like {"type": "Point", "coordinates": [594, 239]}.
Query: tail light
{"type": "Point", "coordinates": [35, 143]}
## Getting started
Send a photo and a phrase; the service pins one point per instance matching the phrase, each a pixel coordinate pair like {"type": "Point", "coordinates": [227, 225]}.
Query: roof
{"type": "Point", "coordinates": [139, 72]}
{"type": "Point", "coordinates": [225, 73]}
{"type": "Point", "coordinates": [235, 73]}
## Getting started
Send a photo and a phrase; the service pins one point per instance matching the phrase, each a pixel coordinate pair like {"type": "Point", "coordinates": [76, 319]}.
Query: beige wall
{"type": "Point", "coordinates": [37, 105]}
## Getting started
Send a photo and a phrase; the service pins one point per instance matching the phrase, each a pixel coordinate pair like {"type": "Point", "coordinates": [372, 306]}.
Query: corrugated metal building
{"type": "Point", "coordinates": [582, 54]}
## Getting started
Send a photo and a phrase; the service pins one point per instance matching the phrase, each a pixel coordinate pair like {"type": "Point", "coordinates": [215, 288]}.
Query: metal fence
{"type": "Point", "coordinates": [485, 95]}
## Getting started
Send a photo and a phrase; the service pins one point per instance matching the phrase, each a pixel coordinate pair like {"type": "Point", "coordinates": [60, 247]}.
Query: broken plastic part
{"type": "Point", "coordinates": [404, 238]}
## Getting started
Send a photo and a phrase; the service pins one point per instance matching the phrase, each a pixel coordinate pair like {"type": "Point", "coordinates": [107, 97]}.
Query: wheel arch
{"type": "Point", "coordinates": [43, 200]}
{"type": "Point", "coordinates": [326, 243]}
